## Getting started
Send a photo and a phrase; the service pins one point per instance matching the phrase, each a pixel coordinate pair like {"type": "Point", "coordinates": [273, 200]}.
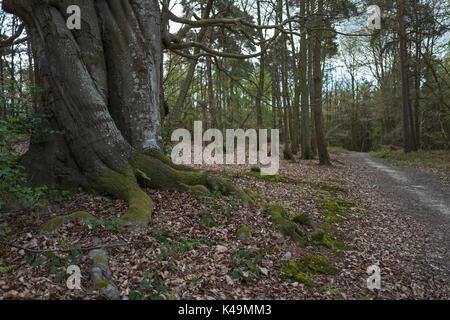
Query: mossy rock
{"type": "Point", "coordinates": [303, 219]}
{"type": "Point", "coordinates": [255, 169]}
{"type": "Point", "coordinates": [53, 225]}
{"type": "Point", "coordinates": [282, 221]}
{"type": "Point", "coordinates": [243, 232]}
{"type": "Point", "coordinates": [80, 215]}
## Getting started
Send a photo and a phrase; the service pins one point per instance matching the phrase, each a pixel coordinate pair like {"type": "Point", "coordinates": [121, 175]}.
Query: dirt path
{"type": "Point", "coordinates": [422, 194]}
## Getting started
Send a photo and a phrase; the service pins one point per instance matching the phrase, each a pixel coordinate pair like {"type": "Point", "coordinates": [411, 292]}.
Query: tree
{"type": "Point", "coordinates": [324, 157]}
{"type": "Point", "coordinates": [305, 136]}
{"type": "Point", "coordinates": [103, 86]}
{"type": "Point", "coordinates": [409, 134]}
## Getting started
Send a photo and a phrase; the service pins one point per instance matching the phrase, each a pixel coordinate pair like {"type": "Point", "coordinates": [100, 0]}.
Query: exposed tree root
{"type": "Point", "coordinates": [158, 172]}
{"type": "Point", "coordinates": [101, 274]}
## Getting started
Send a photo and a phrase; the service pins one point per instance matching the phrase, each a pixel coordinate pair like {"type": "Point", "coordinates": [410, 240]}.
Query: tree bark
{"type": "Point", "coordinates": [305, 130]}
{"type": "Point", "coordinates": [260, 89]}
{"type": "Point", "coordinates": [324, 158]}
{"type": "Point", "coordinates": [409, 135]}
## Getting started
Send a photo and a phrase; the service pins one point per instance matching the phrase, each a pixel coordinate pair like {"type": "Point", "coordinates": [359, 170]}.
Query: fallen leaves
{"type": "Point", "coordinates": [179, 256]}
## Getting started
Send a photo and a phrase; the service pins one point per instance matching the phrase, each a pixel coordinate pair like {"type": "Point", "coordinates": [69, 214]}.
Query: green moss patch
{"type": "Point", "coordinates": [100, 259]}
{"type": "Point", "coordinates": [319, 264]}
{"type": "Point", "coordinates": [243, 232]}
{"type": "Point", "coordinates": [336, 209]}
{"type": "Point", "coordinates": [301, 270]}
{"type": "Point", "coordinates": [303, 219]}
{"type": "Point", "coordinates": [318, 235]}
{"type": "Point", "coordinates": [333, 243]}
{"type": "Point", "coordinates": [53, 224]}
{"type": "Point", "coordinates": [297, 272]}
{"type": "Point", "coordinates": [80, 215]}
{"type": "Point", "coordinates": [101, 283]}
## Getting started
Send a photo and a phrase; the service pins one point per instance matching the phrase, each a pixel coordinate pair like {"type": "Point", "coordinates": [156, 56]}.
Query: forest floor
{"type": "Point", "coordinates": [192, 248]}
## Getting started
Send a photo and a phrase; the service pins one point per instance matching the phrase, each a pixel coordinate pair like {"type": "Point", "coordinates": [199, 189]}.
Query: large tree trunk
{"type": "Point", "coordinates": [103, 86]}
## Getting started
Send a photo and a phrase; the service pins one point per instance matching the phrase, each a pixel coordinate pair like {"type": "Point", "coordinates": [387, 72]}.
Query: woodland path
{"type": "Point", "coordinates": [422, 194]}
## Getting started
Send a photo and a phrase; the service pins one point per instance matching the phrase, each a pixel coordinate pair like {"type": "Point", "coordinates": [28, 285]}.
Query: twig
{"type": "Point", "coordinates": [112, 245]}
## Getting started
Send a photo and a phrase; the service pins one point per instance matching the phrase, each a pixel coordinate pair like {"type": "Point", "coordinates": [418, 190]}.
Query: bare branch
{"type": "Point", "coordinates": [11, 41]}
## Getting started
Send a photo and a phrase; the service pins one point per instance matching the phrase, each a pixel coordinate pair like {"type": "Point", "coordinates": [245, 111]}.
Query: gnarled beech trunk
{"type": "Point", "coordinates": [103, 86]}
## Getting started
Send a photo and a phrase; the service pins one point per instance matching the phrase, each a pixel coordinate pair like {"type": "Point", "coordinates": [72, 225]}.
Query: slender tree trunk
{"type": "Point", "coordinates": [305, 136]}
{"type": "Point", "coordinates": [260, 89]}
{"type": "Point", "coordinates": [211, 95]}
{"type": "Point", "coordinates": [296, 102]}
{"type": "Point", "coordinates": [408, 123]}
{"type": "Point", "coordinates": [187, 81]}
{"type": "Point", "coordinates": [324, 158]}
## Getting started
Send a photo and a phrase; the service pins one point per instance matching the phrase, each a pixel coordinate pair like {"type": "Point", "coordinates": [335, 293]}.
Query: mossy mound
{"type": "Point", "coordinates": [80, 215]}
{"type": "Point", "coordinates": [319, 264]}
{"type": "Point", "coordinates": [333, 243]}
{"type": "Point", "coordinates": [53, 224]}
{"type": "Point", "coordinates": [301, 270]}
{"type": "Point", "coordinates": [336, 209]}
{"type": "Point", "coordinates": [296, 272]}
{"type": "Point", "coordinates": [303, 219]}
{"type": "Point", "coordinates": [318, 235]}
{"type": "Point", "coordinates": [243, 232]}
{"type": "Point", "coordinates": [334, 181]}
{"type": "Point", "coordinates": [282, 221]}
